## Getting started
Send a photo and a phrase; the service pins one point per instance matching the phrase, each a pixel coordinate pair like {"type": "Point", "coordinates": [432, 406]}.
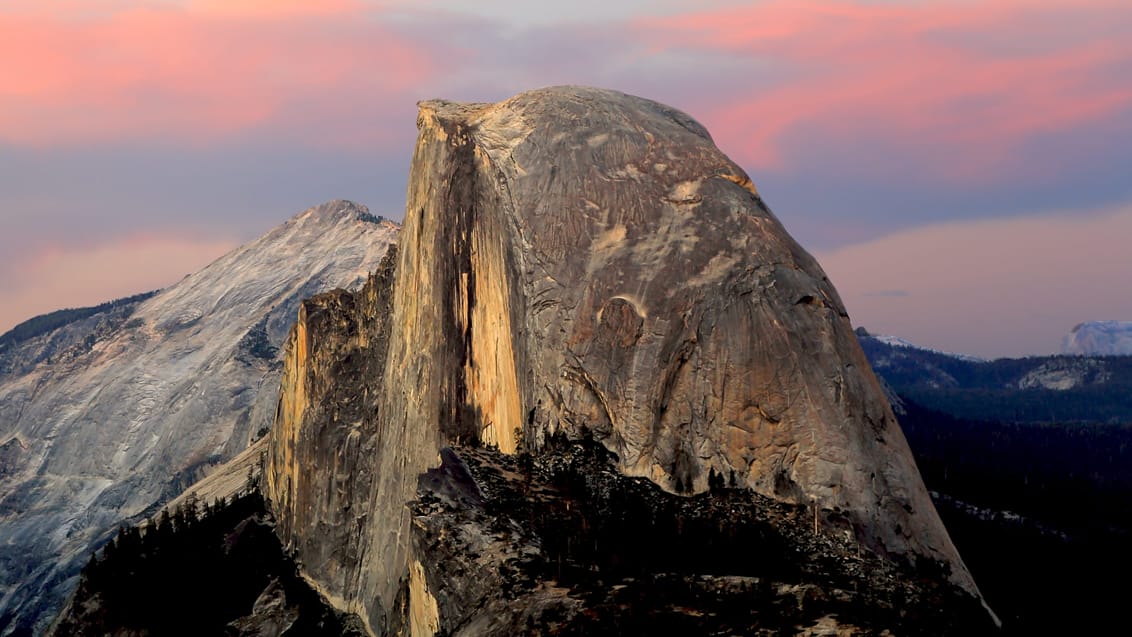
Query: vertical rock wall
{"type": "Point", "coordinates": [582, 260]}
{"type": "Point", "coordinates": [320, 472]}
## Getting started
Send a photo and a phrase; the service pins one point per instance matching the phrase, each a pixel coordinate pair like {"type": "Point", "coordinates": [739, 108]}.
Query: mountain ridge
{"type": "Point", "coordinates": [1038, 389]}
{"type": "Point", "coordinates": [53, 321]}
{"type": "Point", "coordinates": [103, 426]}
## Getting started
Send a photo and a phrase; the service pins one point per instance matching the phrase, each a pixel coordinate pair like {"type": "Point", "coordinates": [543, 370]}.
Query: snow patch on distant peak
{"type": "Point", "coordinates": [338, 211]}
{"type": "Point", "coordinates": [1099, 338]}
{"type": "Point", "coordinates": [896, 341]}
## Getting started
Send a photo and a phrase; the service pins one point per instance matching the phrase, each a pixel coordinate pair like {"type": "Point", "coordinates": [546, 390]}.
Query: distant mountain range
{"type": "Point", "coordinates": [896, 341]}
{"type": "Point", "coordinates": [1099, 338]}
{"type": "Point", "coordinates": [1030, 465]}
{"type": "Point", "coordinates": [1036, 389]}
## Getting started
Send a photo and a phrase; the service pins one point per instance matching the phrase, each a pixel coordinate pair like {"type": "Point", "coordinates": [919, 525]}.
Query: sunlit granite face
{"type": "Point", "coordinates": [582, 261]}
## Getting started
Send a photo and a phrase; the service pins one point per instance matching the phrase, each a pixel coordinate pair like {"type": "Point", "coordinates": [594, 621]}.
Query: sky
{"type": "Point", "coordinates": [962, 170]}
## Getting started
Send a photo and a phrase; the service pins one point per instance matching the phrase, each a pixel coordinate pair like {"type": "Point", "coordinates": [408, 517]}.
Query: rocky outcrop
{"type": "Point", "coordinates": [326, 444]}
{"type": "Point", "coordinates": [107, 417]}
{"type": "Point", "coordinates": [561, 543]}
{"type": "Point", "coordinates": [1064, 373]}
{"type": "Point", "coordinates": [1099, 338]}
{"type": "Point", "coordinates": [582, 262]}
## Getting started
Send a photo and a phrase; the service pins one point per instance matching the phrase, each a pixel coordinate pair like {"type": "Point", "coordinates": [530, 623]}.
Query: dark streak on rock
{"type": "Point", "coordinates": [462, 197]}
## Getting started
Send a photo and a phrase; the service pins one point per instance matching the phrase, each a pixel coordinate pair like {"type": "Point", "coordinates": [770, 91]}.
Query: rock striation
{"type": "Point", "coordinates": [104, 419]}
{"type": "Point", "coordinates": [582, 263]}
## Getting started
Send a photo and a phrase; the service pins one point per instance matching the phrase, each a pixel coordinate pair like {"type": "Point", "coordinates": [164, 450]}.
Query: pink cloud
{"type": "Point", "coordinates": [953, 77]}
{"type": "Point", "coordinates": [969, 80]}
{"type": "Point", "coordinates": [199, 71]}
{"type": "Point", "coordinates": [1004, 287]}
{"type": "Point", "coordinates": [274, 9]}
{"type": "Point", "coordinates": [78, 277]}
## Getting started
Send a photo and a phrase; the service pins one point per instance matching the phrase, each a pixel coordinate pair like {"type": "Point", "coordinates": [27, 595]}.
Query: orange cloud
{"type": "Point", "coordinates": [1004, 287]}
{"type": "Point", "coordinates": [198, 71]}
{"type": "Point", "coordinates": [948, 75]}
{"type": "Point", "coordinates": [57, 277]}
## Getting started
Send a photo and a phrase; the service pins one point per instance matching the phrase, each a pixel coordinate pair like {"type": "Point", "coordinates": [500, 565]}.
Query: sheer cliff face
{"type": "Point", "coordinates": [324, 450]}
{"type": "Point", "coordinates": [117, 420]}
{"type": "Point", "coordinates": [582, 260]}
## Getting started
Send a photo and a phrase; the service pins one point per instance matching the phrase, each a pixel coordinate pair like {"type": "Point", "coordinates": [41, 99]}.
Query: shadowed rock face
{"type": "Point", "coordinates": [104, 419]}
{"type": "Point", "coordinates": [578, 260]}
{"type": "Point", "coordinates": [561, 543]}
